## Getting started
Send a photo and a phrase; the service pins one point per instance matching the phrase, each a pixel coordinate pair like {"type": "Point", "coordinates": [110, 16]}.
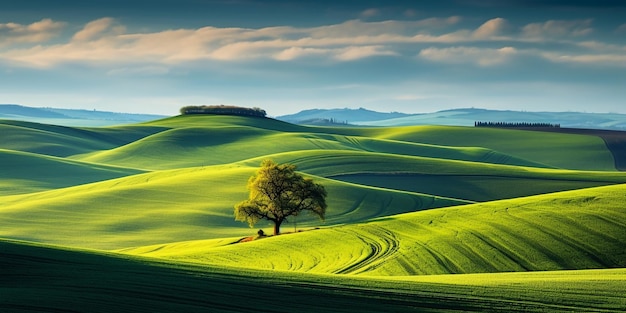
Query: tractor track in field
{"type": "Point", "coordinates": [382, 244]}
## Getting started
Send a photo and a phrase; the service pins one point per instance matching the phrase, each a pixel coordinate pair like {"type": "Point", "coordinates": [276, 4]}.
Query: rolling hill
{"type": "Point", "coordinates": [580, 229]}
{"type": "Point", "coordinates": [143, 214]}
{"type": "Point", "coordinates": [183, 197]}
{"type": "Point", "coordinates": [50, 172]}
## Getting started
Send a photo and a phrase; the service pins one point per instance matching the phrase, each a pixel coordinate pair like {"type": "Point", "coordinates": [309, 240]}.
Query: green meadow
{"type": "Point", "coordinates": [139, 218]}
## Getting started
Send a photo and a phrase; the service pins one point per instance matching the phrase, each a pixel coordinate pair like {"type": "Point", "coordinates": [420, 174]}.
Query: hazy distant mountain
{"type": "Point", "coordinates": [336, 117]}
{"type": "Point", "coordinates": [14, 110]}
{"type": "Point", "coordinates": [350, 116]}
{"type": "Point", "coordinates": [463, 117]}
{"type": "Point", "coordinates": [71, 117]}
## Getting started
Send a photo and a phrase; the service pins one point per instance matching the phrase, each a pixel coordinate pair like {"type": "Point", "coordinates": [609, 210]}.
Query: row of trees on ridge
{"type": "Point", "coordinates": [222, 110]}
{"type": "Point", "coordinates": [510, 124]}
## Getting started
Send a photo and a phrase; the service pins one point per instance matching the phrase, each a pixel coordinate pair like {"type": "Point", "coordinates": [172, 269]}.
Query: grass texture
{"type": "Point", "coordinates": [35, 278]}
{"type": "Point", "coordinates": [581, 229]}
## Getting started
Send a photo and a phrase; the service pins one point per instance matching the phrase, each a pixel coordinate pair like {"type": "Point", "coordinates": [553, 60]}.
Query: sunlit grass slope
{"type": "Point", "coordinates": [581, 229]}
{"type": "Point", "coordinates": [197, 203]}
{"type": "Point", "coordinates": [52, 279]}
{"type": "Point", "coordinates": [177, 205]}
{"type": "Point", "coordinates": [24, 172]}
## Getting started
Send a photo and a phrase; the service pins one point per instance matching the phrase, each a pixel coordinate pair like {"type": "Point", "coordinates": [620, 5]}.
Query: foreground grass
{"type": "Point", "coordinates": [36, 278]}
{"type": "Point", "coordinates": [581, 229]}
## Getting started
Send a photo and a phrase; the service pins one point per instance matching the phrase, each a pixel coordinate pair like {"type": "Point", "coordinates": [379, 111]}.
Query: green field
{"type": "Point", "coordinates": [525, 220]}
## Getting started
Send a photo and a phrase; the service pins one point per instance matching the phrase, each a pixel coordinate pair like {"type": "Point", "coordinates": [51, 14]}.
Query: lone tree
{"type": "Point", "coordinates": [277, 192]}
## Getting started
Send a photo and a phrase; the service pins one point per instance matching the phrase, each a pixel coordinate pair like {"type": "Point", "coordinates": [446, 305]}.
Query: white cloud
{"type": "Point", "coordinates": [492, 27]}
{"type": "Point", "coordinates": [103, 41]}
{"type": "Point", "coordinates": [621, 29]}
{"type": "Point", "coordinates": [459, 55]}
{"type": "Point", "coordinates": [299, 52]}
{"type": "Point", "coordinates": [36, 32]}
{"type": "Point", "coordinates": [98, 28]}
{"type": "Point", "coordinates": [601, 46]}
{"type": "Point", "coordinates": [106, 43]}
{"type": "Point", "coordinates": [558, 28]}
{"type": "Point", "coordinates": [360, 52]}
{"type": "Point", "coordinates": [618, 60]}
{"type": "Point", "coordinates": [354, 28]}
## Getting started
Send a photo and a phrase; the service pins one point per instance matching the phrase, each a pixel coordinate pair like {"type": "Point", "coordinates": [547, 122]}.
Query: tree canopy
{"type": "Point", "coordinates": [223, 110]}
{"type": "Point", "coordinates": [277, 192]}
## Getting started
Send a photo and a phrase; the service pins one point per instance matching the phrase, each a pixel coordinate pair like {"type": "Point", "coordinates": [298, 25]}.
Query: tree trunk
{"type": "Point", "coordinates": [277, 227]}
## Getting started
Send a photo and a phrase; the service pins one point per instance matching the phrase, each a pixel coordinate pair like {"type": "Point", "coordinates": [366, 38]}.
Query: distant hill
{"type": "Point", "coordinates": [14, 110]}
{"type": "Point", "coordinates": [71, 117]}
{"type": "Point", "coordinates": [350, 116]}
{"type": "Point", "coordinates": [461, 117]}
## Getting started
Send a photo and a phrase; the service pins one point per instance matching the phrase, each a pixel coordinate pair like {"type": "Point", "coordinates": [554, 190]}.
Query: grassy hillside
{"type": "Point", "coordinates": [568, 151]}
{"type": "Point", "coordinates": [196, 146]}
{"type": "Point", "coordinates": [197, 203]}
{"type": "Point", "coordinates": [48, 279]}
{"type": "Point", "coordinates": [176, 205]}
{"type": "Point", "coordinates": [366, 177]}
{"type": "Point", "coordinates": [25, 172]}
{"type": "Point", "coordinates": [581, 229]}
{"type": "Point", "coordinates": [402, 203]}
{"type": "Point", "coordinates": [475, 181]}
{"type": "Point", "coordinates": [64, 141]}
{"type": "Point", "coordinates": [193, 138]}
{"type": "Point", "coordinates": [558, 150]}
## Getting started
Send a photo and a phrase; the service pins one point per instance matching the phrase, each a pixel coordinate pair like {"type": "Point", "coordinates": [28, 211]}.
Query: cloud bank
{"type": "Point", "coordinates": [106, 41]}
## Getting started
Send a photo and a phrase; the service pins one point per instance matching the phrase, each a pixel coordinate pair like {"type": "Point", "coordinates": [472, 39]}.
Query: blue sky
{"type": "Point", "coordinates": [285, 56]}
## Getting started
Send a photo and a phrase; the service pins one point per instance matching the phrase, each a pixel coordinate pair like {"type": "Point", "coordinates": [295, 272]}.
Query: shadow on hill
{"type": "Point", "coordinates": [615, 140]}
